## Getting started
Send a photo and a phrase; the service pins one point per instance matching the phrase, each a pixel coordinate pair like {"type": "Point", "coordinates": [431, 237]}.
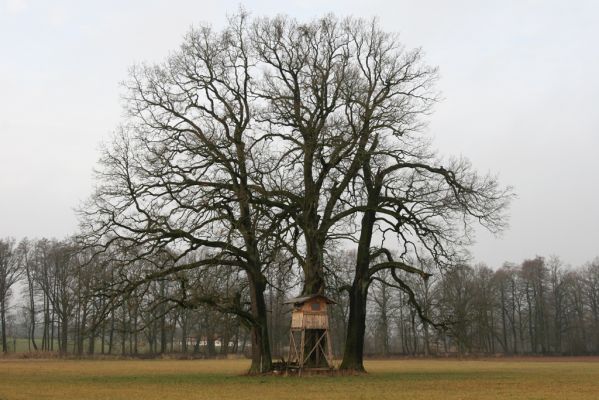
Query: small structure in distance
{"type": "Point", "coordinates": [309, 335]}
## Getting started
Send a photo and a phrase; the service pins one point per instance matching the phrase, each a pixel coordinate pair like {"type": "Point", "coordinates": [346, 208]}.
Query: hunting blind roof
{"type": "Point", "coordinates": [305, 299]}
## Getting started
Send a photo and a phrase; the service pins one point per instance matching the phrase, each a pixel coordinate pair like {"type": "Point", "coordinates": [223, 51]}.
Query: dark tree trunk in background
{"type": "Point", "coordinates": [504, 342]}
{"type": "Point", "coordinates": [184, 321]}
{"type": "Point", "coordinates": [163, 339]}
{"type": "Point", "coordinates": [3, 322]}
{"type": "Point", "coordinates": [64, 329]}
{"type": "Point", "coordinates": [31, 293]}
{"type": "Point", "coordinates": [111, 332]}
{"type": "Point", "coordinates": [531, 334]}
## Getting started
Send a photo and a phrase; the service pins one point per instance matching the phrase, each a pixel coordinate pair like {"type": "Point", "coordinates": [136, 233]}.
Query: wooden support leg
{"type": "Point", "coordinates": [329, 350]}
{"type": "Point", "coordinates": [301, 349]}
{"type": "Point", "coordinates": [316, 347]}
{"type": "Point", "coordinates": [291, 348]}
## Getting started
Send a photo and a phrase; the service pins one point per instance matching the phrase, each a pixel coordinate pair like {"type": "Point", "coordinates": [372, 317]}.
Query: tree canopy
{"type": "Point", "coordinates": [274, 139]}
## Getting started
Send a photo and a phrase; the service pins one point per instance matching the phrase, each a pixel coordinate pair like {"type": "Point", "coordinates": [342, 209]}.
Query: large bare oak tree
{"type": "Point", "coordinates": [276, 137]}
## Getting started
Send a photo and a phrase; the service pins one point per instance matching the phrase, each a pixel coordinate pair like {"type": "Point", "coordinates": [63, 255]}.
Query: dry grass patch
{"type": "Point", "coordinates": [223, 379]}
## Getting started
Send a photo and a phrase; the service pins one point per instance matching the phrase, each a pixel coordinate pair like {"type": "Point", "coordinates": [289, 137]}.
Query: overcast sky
{"type": "Point", "coordinates": [520, 82]}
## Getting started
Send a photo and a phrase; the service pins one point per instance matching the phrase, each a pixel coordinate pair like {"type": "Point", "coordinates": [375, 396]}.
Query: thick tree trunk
{"type": "Point", "coordinates": [261, 356]}
{"type": "Point", "coordinates": [353, 355]}
{"type": "Point", "coordinates": [313, 283]}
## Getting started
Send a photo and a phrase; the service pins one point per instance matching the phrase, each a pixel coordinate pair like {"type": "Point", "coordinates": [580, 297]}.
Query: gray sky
{"type": "Point", "coordinates": [519, 79]}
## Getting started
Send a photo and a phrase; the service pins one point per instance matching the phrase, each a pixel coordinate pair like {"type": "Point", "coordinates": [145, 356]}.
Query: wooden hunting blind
{"type": "Point", "coordinates": [309, 334]}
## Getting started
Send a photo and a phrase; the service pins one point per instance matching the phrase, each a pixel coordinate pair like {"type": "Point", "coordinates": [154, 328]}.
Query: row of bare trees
{"type": "Point", "coordinates": [48, 272]}
{"type": "Point", "coordinates": [538, 307]}
{"type": "Point", "coordinates": [59, 299]}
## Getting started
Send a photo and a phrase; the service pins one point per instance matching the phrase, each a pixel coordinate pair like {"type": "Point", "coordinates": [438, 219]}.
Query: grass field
{"type": "Point", "coordinates": [24, 346]}
{"type": "Point", "coordinates": [223, 379]}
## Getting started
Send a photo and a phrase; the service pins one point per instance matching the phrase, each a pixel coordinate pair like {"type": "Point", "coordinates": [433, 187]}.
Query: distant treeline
{"type": "Point", "coordinates": [537, 307]}
{"type": "Point", "coordinates": [53, 295]}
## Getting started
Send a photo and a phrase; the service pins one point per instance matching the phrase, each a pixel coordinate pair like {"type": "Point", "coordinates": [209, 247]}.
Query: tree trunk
{"type": "Point", "coordinates": [81, 332]}
{"type": "Point", "coordinates": [111, 333]}
{"type": "Point", "coordinates": [52, 328]}
{"type": "Point", "coordinates": [46, 331]}
{"type": "Point", "coordinates": [353, 354]}
{"type": "Point", "coordinates": [427, 345]}
{"type": "Point", "coordinates": [135, 333]}
{"type": "Point", "coordinates": [533, 346]}
{"type": "Point", "coordinates": [163, 340]}
{"type": "Point", "coordinates": [91, 347]}
{"type": "Point", "coordinates": [64, 328]}
{"type": "Point", "coordinates": [184, 331]}
{"type": "Point", "coordinates": [3, 322]}
{"type": "Point", "coordinates": [261, 357]}
{"type": "Point", "coordinates": [514, 303]}
{"type": "Point", "coordinates": [31, 308]}
{"type": "Point", "coordinates": [504, 343]}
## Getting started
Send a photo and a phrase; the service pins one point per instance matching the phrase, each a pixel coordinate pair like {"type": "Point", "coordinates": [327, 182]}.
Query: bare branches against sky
{"type": "Point", "coordinates": [518, 79]}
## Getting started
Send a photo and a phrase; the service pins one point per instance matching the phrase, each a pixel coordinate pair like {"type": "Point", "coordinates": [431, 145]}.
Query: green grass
{"type": "Point", "coordinates": [223, 379]}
